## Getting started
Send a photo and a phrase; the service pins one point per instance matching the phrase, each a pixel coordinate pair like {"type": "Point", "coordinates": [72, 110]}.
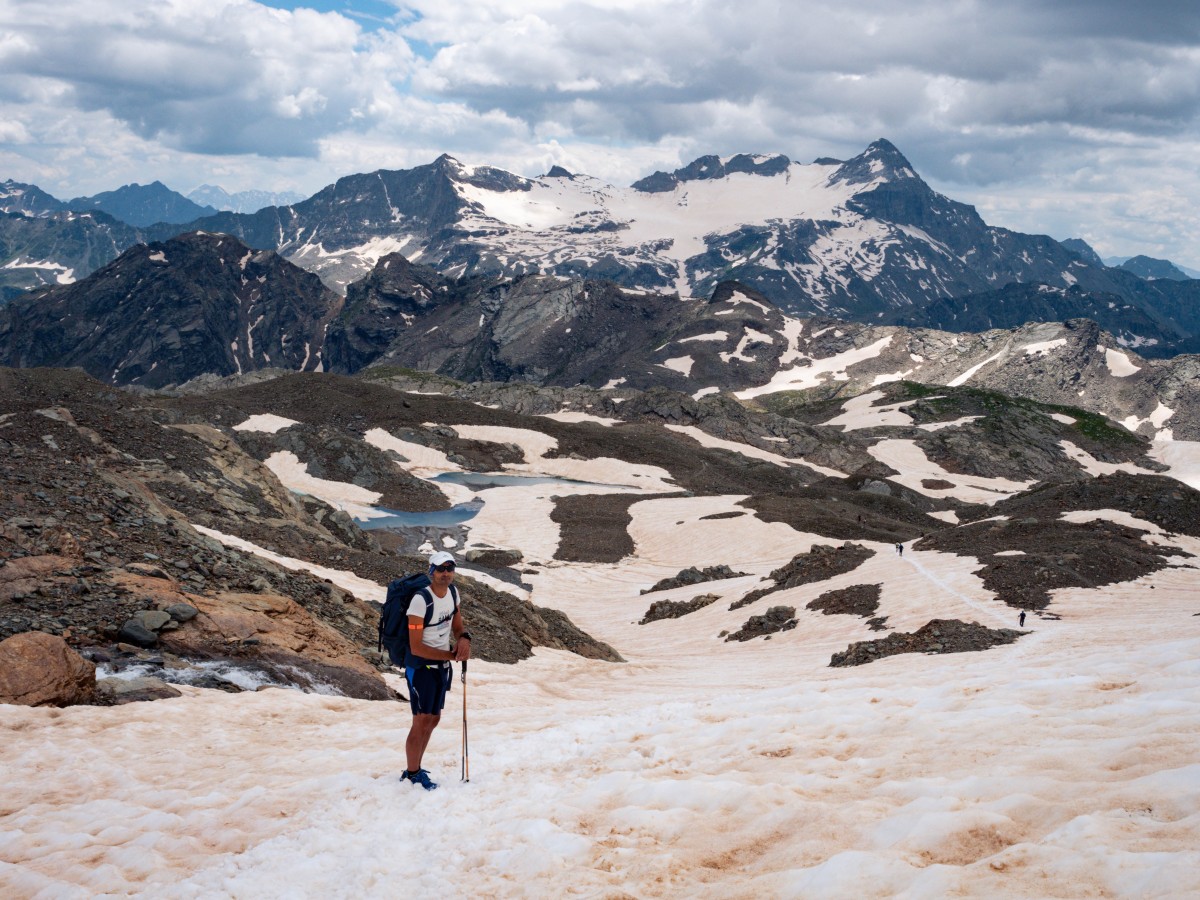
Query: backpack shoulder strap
{"type": "Point", "coordinates": [428, 595]}
{"type": "Point", "coordinates": [454, 597]}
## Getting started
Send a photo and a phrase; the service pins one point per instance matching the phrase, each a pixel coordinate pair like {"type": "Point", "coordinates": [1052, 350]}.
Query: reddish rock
{"type": "Point", "coordinates": [39, 669]}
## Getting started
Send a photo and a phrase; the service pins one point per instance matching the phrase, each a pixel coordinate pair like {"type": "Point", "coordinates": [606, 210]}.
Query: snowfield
{"type": "Point", "coordinates": [1064, 765]}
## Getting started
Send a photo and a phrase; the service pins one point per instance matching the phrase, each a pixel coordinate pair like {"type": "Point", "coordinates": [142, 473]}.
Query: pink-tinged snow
{"type": "Point", "coordinates": [749, 336]}
{"type": "Point", "coordinates": [830, 368]}
{"type": "Point", "coordinates": [599, 471]}
{"type": "Point", "coordinates": [422, 460]}
{"type": "Point", "coordinates": [860, 412]}
{"type": "Point", "coordinates": [1161, 415]}
{"type": "Point", "coordinates": [293, 474]}
{"type": "Point", "coordinates": [717, 336]}
{"type": "Point", "coordinates": [681, 364]}
{"type": "Point", "coordinates": [1044, 348]}
{"type": "Point", "coordinates": [1095, 467]}
{"type": "Point", "coordinates": [361, 588]}
{"type": "Point", "coordinates": [704, 439]}
{"type": "Point", "coordinates": [954, 423]}
{"type": "Point", "coordinates": [914, 466]}
{"type": "Point", "coordinates": [1083, 516]}
{"type": "Point", "coordinates": [1061, 766]}
{"type": "Point", "coordinates": [741, 298]}
{"type": "Point", "coordinates": [969, 373]}
{"type": "Point", "coordinates": [1181, 457]}
{"type": "Point", "coordinates": [1119, 364]}
{"type": "Point", "coordinates": [891, 376]}
{"type": "Point", "coordinates": [572, 416]}
{"type": "Point", "coordinates": [266, 422]}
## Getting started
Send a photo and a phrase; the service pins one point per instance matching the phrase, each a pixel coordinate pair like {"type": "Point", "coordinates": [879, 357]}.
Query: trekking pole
{"type": "Point", "coordinates": [466, 756]}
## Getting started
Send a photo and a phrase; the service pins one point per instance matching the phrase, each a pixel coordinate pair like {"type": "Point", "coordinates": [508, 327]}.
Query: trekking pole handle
{"type": "Point", "coordinates": [464, 671]}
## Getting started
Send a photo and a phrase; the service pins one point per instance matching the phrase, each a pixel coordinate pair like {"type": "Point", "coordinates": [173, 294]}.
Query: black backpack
{"type": "Point", "coordinates": [393, 618]}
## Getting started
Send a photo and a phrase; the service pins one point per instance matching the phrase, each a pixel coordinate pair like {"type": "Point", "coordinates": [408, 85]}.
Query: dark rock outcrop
{"type": "Point", "coordinates": [693, 575]}
{"type": "Point", "coordinates": [856, 600]}
{"type": "Point", "coordinates": [773, 621]}
{"type": "Point", "coordinates": [937, 636]}
{"type": "Point", "coordinates": [674, 609]}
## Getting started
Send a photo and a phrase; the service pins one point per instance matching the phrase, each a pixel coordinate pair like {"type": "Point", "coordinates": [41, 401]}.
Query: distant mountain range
{"type": "Point", "coordinates": [207, 304]}
{"type": "Point", "coordinates": [861, 239]}
{"type": "Point", "coordinates": [242, 201]}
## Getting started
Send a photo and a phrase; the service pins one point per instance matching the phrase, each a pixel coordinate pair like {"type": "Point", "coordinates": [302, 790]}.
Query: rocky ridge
{"type": "Point", "coordinates": [98, 544]}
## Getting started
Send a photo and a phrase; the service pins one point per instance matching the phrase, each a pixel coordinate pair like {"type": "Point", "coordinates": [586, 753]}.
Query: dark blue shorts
{"type": "Point", "coordinates": [427, 688]}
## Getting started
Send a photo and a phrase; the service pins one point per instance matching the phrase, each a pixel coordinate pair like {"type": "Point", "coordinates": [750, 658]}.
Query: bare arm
{"type": "Point", "coordinates": [462, 640]}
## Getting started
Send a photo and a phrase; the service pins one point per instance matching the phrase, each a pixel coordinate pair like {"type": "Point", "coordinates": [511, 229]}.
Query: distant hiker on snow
{"type": "Point", "coordinates": [1021, 619]}
{"type": "Point", "coordinates": [900, 548]}
{"type": "Point", "coordinates": [428, 667]}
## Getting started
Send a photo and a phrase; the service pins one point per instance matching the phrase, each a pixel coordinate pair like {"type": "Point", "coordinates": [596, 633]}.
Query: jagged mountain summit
{"type": "Point", "coordinates": [846, 238]}
{"type": "Point", "coordinates": [854, 239]}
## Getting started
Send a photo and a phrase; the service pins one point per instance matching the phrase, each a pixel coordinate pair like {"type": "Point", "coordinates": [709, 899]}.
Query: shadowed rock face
{"type": "Point", "coordinates": [38, 669]}
{"type": "Point", "coordinates": [167, 312]}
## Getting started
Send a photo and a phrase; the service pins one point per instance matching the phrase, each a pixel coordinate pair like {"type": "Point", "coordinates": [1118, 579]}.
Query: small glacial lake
{"type": "Point", "coordinates": [461, 512]}
{"type": "Point", "coordinates": [441, 518]}
{"type": "Point", "coordinates": [481, 480]}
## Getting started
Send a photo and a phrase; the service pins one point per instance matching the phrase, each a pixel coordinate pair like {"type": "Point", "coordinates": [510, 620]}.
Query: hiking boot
{"type": "Point", "coordinates": [420, 777]}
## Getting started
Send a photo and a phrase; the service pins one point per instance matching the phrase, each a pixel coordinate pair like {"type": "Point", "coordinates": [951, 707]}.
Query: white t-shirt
{"type": "Point", "coordinates": [437, 632]}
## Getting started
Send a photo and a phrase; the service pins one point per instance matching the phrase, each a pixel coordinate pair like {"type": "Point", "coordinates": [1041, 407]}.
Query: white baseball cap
{"type": "Point", "coordinates": [440, 558]}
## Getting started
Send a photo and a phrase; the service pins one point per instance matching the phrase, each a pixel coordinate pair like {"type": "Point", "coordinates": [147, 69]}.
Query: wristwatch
{"type": "Point", "coordinates": [465, 636]}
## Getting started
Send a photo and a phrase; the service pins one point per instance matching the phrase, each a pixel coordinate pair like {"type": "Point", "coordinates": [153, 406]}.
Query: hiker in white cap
{"type": "Point", "coordinates": [433, 617]}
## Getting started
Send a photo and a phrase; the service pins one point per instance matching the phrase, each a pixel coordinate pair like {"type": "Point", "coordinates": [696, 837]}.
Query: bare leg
{"type": "Point", "coordinates": [418, 739]}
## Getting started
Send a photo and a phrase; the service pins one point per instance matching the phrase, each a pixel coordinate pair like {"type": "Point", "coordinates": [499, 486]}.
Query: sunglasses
{"type": "Point", "coordinates": [444, 567]}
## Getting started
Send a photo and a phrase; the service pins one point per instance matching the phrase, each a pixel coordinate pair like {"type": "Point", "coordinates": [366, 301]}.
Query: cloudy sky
{"type": "Point", "coordinates": [1071, 118]}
